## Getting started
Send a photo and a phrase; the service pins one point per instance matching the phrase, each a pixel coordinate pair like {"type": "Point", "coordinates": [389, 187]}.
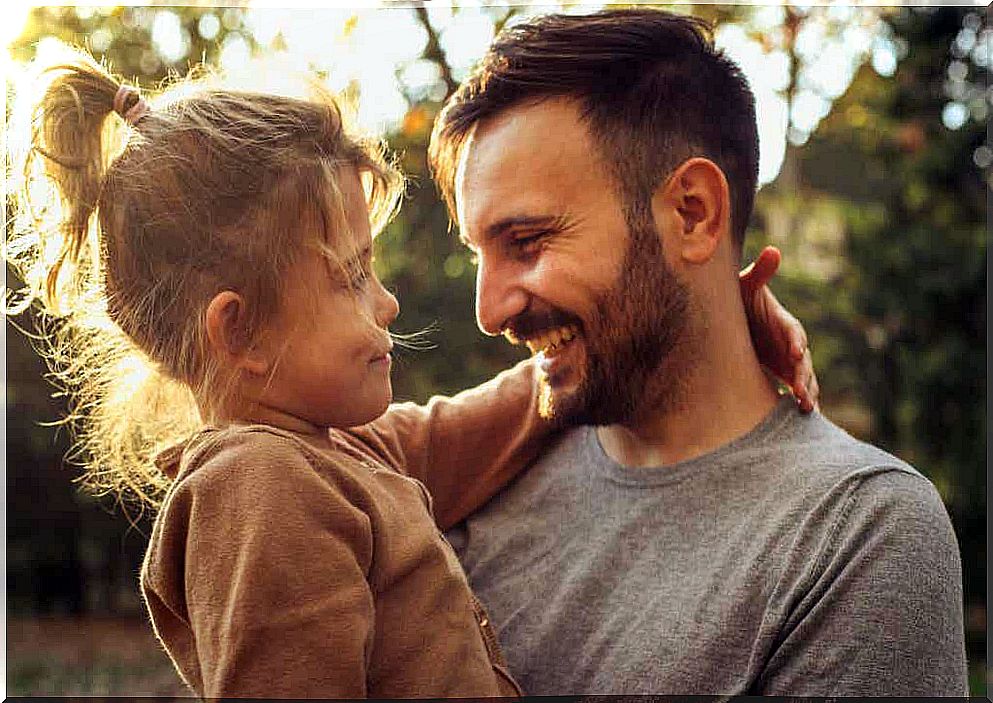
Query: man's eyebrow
{"type": "Point", "coordinates": [513, 222]}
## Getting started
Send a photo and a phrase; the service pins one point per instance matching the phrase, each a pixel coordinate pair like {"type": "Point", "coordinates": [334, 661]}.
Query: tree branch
{"type": "Point", "coordinates": [500, 23]}
{"type": "Point", "coordinates": [434, 52]}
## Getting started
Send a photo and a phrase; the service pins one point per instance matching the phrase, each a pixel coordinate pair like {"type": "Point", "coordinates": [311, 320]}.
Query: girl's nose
{"type": "Point", "coordinates": [387, 307]}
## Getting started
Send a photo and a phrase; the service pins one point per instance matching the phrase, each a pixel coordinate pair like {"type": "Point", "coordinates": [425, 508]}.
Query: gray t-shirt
{"type": "Point", "coordinates": [794, 560]}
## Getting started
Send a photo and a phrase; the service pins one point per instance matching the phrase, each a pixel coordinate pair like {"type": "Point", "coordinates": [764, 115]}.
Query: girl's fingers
{"type": "Point", "coordinates": [814, 392]}
{"type": "Point", "coordinates": [805, 386]}
{"type": "Point", "coordinates": [798, 339]}
{"type": "Point", "coordinates": [790, 349]}
{"type": "Point", "coordinates": [760, 272]}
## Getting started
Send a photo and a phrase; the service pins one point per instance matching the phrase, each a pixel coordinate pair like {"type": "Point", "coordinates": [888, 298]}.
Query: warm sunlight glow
{"type": "Point", "coordinates": [374, 54]}
{"type": "Point", "coordinates": [12, 17]}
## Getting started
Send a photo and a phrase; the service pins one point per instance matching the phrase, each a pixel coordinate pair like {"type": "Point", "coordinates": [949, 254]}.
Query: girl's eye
{"type": "Point", "coordinates": [360, 277]}
{"type": "Point", "coordinates": [357, 274]}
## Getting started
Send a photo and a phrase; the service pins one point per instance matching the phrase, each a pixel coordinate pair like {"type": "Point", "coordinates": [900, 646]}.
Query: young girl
{"type": "Point", "coordinates": [210, 265]}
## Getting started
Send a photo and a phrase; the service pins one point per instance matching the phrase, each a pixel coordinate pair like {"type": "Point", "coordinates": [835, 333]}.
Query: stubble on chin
{"type": "Point", "coordinates": [546, 401]}
{"type": "Point", "coordinates": [558, 404]}
{"type": "Point", "coordinates": [564, 408]}
{"type": "Point", "coordinates": [635, 343]}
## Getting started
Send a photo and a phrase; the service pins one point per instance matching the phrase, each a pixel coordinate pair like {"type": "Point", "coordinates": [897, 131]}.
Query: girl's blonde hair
{"type": "Point", "coordinates": [123, 234]}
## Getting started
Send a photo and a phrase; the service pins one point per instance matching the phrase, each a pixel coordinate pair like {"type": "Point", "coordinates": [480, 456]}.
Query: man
{"type": "Point", "coordinates": [691, 533]}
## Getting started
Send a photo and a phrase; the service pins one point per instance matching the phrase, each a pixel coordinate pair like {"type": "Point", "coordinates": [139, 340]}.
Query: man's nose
{"type": "Point", "coordinates": [500, 296]}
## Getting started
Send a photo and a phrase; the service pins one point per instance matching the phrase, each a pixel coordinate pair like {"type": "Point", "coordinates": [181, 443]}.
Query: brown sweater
{"type": "Point", "coordinates": [286, 565]}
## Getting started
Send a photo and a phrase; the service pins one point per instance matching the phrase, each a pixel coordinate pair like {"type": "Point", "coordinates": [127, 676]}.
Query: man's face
{"type": "Point", "coordinates": [560, 269]}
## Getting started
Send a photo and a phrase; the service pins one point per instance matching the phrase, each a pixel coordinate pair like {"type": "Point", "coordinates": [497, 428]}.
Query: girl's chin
{"type": "Point", "coordinates": [374, 412]}
{"type": "Point", "coordinates": [384, 406]}
{"type": "Point", "coordinates": [367, 404]}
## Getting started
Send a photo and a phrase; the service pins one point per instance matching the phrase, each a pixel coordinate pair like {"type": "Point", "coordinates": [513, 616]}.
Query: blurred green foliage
{"type": "Point", "coordinates": [917, 249]}
{"type": "Point", "coordinates": [123, 36]}
{"type": "Point", "coordinates": [881, 216]}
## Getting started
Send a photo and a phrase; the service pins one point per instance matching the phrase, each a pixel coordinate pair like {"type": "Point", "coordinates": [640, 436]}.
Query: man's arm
{"type": "Point", "coordinates": [877, 608]}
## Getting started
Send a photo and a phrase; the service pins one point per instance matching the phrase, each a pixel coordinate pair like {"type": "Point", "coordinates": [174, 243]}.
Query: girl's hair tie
{"type": "Point", "coordinates": [136, 111]}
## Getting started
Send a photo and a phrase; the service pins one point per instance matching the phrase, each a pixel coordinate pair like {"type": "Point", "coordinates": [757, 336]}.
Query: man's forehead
{"type": "Point", "coordinates": [460, 173]}
{"type": "Point", "coordinates": [539, 129]}
{"type": "Point", "coordinates": [516, 165]}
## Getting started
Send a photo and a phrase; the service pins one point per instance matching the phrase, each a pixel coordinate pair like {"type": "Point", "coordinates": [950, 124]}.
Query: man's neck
{"type": "Point", "coordinates": [721, 394]}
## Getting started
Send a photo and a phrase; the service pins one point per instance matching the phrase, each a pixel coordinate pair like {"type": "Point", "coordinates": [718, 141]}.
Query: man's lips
{"type": "Point", "coordinates": [538, 324]}
{"type": "Point", "coordinates": [550, 341]}
{"type": "Point", "coordinates": [550, 335]}
{"type": "Point", "coordinates": [554, 351]}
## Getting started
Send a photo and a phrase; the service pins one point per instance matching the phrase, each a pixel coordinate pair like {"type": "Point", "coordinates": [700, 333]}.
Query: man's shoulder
{"type": "Point", "coordinates": [824, 468]}
{"type": "Point", "coordinates": [844, 497]}
{"type": "Point", "coordinates": [866, 539]}
{"type": "Point", "coordinates": [815, 448]}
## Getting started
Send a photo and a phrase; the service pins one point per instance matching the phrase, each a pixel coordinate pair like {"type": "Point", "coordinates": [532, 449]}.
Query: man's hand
{"type": "Point", "coordinates": [779, 338]}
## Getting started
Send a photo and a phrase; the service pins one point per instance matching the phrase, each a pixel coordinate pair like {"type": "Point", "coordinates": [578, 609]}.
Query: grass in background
{"type": "Point", "coordinates": [88, 657]}
{"type": "Point", "coordinates": [121, 657]}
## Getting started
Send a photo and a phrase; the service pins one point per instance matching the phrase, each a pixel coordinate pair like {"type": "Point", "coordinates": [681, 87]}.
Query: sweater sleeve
{"type": "Point", "coordinates": [275, 575]}
{"type": "Point", "coordinates": [466, 447]}
{"type": "Point", "coordinates": [880, 610]}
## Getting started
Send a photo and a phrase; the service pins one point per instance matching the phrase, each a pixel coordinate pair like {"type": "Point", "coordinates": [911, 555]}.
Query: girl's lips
{"type": "Point", "coordinates": [382, 356]}
{"type": "Point", "coordinates": [385, 359]}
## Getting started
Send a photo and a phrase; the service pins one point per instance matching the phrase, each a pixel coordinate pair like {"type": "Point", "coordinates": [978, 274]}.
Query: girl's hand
{"type": "Point", "coordinates": [779, 338]}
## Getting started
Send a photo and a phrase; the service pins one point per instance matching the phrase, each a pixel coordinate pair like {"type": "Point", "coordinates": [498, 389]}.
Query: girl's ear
{"type": "Point", "coordinates": [228, 336]}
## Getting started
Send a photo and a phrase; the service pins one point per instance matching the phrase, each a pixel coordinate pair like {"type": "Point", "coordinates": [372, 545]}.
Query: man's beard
{"type": "Point", "coordinates": [630, 335]}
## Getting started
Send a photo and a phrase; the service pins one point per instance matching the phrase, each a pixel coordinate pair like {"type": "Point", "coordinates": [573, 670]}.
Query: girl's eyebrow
{"type": "Point", "coordinates": [361, 257]}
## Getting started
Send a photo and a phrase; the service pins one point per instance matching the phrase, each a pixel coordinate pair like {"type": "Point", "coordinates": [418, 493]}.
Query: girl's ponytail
{"type": "Point", "coordinates": [61, 146]}
{"type": "Point", "coordinates": [72, 135]}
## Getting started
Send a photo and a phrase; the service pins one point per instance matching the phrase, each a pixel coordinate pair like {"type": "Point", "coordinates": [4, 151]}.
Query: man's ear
{"type": "Point", "coordinates": [693, 210]}
{"type": "Point", "coordinates": [228, 335]}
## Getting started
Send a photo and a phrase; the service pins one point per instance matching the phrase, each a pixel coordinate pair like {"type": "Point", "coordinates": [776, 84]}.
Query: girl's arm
{"type": "Point", "coordinates": [464, 448]}
{"type": "Point", "coordinates": [779, 338]}
{"type": "Point", "coordinates": [256, 577]}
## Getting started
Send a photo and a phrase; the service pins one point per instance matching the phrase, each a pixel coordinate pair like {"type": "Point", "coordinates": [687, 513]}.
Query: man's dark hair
{"type": "Point", "coordinates": [650, 85]}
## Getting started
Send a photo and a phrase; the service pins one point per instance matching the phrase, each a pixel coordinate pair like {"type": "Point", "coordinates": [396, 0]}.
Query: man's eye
{"type": "Point", "coordinates": [527, 243]}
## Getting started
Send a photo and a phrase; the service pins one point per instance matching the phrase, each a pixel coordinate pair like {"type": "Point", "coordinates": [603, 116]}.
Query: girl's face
{"type": "Point", "coordinates": [330, 344]}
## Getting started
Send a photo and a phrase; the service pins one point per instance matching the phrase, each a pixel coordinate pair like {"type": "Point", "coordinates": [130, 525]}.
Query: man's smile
{"type": "Point", "coordinates": [553, 349]}
{"type": "Point", "coordinates": [551, 341]}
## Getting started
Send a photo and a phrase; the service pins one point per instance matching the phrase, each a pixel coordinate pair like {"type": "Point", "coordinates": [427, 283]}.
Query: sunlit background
{"type": "Point", "coordinates": [382, 53]}
{"type": "Point", "coordinates": [875, 170]}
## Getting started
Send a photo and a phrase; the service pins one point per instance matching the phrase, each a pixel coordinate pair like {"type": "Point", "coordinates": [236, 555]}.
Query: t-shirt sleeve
{"type": "Point", "coordinates": [275, 573]}
{"type": "Point", "coordinates": [466, 447]}
{"type": "Point", "coordinates": [878, 610]}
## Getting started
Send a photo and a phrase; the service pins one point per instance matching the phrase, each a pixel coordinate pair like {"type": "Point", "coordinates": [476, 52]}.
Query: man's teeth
{"type": "Point", "coordinates": [553, 339]}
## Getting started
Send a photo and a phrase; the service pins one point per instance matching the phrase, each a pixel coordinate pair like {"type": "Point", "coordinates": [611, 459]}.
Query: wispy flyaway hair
{"type": "Point", "coordinates": [123, 234]}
